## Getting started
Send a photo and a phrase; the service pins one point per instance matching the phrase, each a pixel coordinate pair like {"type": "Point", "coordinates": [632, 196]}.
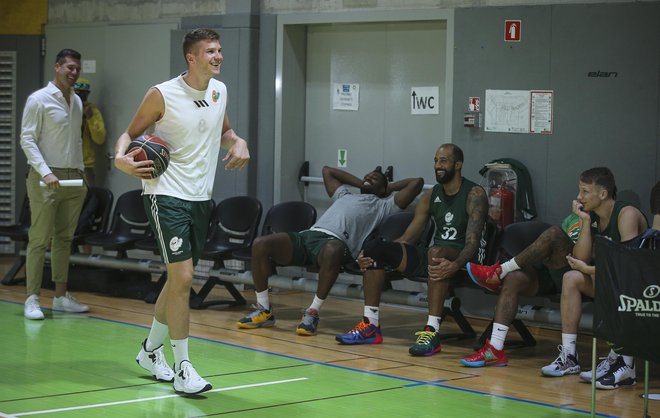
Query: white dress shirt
{"type": "Point", "coordinates": [51, 134]}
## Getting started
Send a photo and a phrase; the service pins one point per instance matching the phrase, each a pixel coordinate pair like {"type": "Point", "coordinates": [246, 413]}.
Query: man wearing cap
{"type": "Point", "coordinates": [93, 128]}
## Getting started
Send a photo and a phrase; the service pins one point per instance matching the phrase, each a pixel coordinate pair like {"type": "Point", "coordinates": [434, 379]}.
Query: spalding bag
{"type": "Point", "coordinates": [627, 302]}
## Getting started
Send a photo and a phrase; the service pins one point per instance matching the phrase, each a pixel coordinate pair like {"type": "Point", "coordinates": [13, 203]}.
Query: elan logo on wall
{"type": "Point", "coordinates": [602, 74]}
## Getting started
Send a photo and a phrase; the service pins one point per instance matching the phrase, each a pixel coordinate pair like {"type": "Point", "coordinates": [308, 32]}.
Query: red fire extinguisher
{"type": "Point", "coordinates": [500, 202]}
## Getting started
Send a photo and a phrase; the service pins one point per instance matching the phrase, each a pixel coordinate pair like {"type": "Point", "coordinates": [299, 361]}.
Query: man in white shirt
{"type": "Point", "coordinates": [52, 142]}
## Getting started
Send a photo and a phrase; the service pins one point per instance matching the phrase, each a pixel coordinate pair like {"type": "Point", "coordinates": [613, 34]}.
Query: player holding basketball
{"type": "Point", "coordinates": [177, 202]}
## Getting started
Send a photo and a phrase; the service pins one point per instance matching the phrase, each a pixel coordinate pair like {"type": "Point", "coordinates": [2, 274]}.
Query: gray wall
{"type": "Point", "coordinates": [597, 121]}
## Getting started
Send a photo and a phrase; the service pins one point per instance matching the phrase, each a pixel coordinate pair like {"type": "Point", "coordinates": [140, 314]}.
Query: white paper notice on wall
{"type": "Point", "coordinates": [89, 66]}
{"type": "Point", "coordinates": [424, 100]}
{"type": "Point", "coordinates": [345, 96]}
{"type": "Point", "coordinates": [507, 111]}
{"type": "Point", "coordinates": [541, 112]}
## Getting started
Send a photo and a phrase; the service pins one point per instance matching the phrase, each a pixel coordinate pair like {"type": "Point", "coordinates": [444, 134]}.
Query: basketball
{"type": "Point", "coordinates": [151, 148]}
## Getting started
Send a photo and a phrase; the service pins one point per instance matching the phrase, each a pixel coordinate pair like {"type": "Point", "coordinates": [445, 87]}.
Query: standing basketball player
{"type": "Point", "coordinates": [177, 202]}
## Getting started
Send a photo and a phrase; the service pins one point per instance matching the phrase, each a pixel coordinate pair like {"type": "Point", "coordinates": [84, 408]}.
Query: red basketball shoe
{"type": "Point", "coordinates": [487, 277]}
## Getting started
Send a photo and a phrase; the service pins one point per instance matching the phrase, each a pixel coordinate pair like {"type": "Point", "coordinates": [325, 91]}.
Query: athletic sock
{"type": "Point", "coordinates": [157, 335]}
{"type": "Point", "coordinates": [568, 343]}
{"type": "Point", "coordinates": [498, 335]}
{"type": "Point", "coordinates": [262, 299]}
{"type": "Point", "coordinates": [434, 321]}
{"type": "Point", "coordinates": [317, 303]}
{"type": "Point", "coordinates": [371, 313]}
{"type": "Point", "coordinates": [508, 267]}
{"type": "Point", "coordinates": [180, 349]}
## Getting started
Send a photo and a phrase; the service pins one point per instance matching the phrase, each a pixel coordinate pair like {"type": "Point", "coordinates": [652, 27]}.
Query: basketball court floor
{"type": "Point", "coordinates": [73, 365]}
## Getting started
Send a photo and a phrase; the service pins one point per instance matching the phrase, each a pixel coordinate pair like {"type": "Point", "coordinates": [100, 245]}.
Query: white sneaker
{"type": "Point", "coordinates": [68, 303]}
{"type": "Point", "coordinates": [564, 364]}
{"type": "Point", "coordinates": [32, 310]}
{"type": "Point", "coordinates": [619, 375]}
{"type": "Point", "coordinates": [186, 380]}
{"type": "Point", "coordinates": [602, 368]}
{"type": "Point", "coordinates": [154, 362]}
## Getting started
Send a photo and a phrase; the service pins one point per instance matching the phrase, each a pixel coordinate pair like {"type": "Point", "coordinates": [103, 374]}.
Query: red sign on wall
{"type": "Point", "coordinates": [512, 30]}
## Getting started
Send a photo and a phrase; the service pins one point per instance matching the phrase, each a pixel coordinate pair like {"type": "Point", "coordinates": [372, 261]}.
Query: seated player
{"type": "Point", "coordinates": [459, 208]}
{"type": "Point", "coordinates": [333, 241]}
{"type": "Point", "coordinates": [597, 191]}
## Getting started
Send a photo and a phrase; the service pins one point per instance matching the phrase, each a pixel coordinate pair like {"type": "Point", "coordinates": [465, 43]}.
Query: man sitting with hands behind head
{"type": "Point", "coordinates": [334, 240]}
{"type": "Point", "coordinates": [459, 208]}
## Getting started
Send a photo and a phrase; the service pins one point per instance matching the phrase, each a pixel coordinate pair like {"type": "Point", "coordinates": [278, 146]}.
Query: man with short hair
{"type": "Point", "coordinates": [177, 202]}
{"type": "Point", "coordinates": [51, 141]}
{"type": "Point", "coordinates": [458, 207]}
{"type": "Point", "coordinates": [333, 241]}
{"type": "Point", "coordinates": [599, 214]}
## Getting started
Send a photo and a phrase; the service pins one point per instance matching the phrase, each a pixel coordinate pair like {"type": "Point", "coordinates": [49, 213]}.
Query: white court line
{"type": "Point", "coordinates": [3, 415]}
{"type": "Point", "coordinates": [99, 405]}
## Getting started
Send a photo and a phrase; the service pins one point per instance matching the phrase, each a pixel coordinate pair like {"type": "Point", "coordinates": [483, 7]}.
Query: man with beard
{"type": "Point", "coordinates": [334, 240]}
{"type": "Point", "coordinates": [458, 207]}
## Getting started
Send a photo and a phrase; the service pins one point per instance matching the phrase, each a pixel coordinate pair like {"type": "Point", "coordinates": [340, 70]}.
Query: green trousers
{"type": "Point", "coordinates": [55, 215]}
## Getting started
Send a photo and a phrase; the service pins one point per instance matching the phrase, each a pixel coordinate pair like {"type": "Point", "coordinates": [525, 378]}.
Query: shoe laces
{"type": "Point", "coordinates": [359, 328]}
{"type": "Point", "coordinates": [70, 298]}
{"type": "Point", "coordinates": [258, 310]}
{"type": "Point", "coordinates": [309, 317]}
{"type": "Point", "coordinates": [424, 337]}
{"type": "Point", "coordinates": [188, 372]}
{"type": "Point", "coordinates": [157, 357]}
{"type": "Point", "coordinates": [562, 359]}
{"type": "Point", "coordinates": [32, 303]}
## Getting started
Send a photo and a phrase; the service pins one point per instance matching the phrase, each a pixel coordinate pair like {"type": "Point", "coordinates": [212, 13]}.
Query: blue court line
{"type": "Point", "coordinates": [413, 381]}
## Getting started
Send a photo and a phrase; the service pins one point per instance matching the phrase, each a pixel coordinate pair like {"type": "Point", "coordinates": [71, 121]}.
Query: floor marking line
{"type": "Point", "coordinates": [154, 398]}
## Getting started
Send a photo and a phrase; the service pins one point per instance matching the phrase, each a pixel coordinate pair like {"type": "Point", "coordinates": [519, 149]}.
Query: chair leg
{"type": "Point", "coordinates": [9, 278]}
{"type": "Point", "coordinates": [198, 300]}
{"type": "Point", "coordinates": [152, 296]}
{"type": "Point", "coordinates": [452, 308]}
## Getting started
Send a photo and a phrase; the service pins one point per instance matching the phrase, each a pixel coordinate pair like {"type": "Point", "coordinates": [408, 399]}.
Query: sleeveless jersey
{"type": "Point", "coordinates": [611, 231]}
{"type": "Point", "coordinates": [450, 215]}
{"type": "Point", "coordinates": [192, 126]}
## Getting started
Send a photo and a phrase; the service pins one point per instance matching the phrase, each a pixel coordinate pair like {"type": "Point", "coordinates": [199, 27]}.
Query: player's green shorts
{"type": "Point", "coordinates": [308, 244]}
{"type": "Point", "coordinates": [179, 226]}
{"type": "Point", "coordinates": [550, 280]}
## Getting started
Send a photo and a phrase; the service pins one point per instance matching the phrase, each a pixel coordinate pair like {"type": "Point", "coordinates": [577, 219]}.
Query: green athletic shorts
{"type": "Point", "coordinates": [308, 244]}
{"type": "Point", "coordinates": [179, 226]}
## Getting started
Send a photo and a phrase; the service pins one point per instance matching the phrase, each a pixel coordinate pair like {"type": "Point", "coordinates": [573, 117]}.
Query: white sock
{"type": "Point", "coordinates": [317, 303]}
{"type": "Point", "coordinates": [262, 299]}
{"type": "Point", "coordinates": [498, 335]}
{"type": "Point", "coordinates": [434, 321]}
{"type": "Point", "coordinates": [569, 343]}
{"type": "Point", "coordinates": [371, 313]}
{"type": "Point", "coordinates": [157, 335]}
{"type": "Point", "coordinates": [180, 349]}
{"type": "Point", "coordinates": [508, 267]}
{"type": "Point", "coordinates": [630, 360]}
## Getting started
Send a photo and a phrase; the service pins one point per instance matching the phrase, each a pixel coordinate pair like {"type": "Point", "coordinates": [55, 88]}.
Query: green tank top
{"type": "Point", "coordinates": [450, 215]}
{"type": "Point", "coordinates": [611, 231]}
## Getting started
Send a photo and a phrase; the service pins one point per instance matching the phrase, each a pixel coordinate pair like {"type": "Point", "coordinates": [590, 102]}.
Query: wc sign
{"type": "Point", "coordinates": [424, 100]}
{"type": "Point", "coordinates": [512, 30]}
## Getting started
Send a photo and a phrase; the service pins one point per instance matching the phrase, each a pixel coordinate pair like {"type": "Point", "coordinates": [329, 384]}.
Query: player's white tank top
{"type": "Point", "coordinates": [192, 127]}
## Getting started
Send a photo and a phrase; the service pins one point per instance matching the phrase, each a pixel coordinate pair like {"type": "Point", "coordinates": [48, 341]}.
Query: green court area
{"type": "Point", "coordinates": [81, 366]}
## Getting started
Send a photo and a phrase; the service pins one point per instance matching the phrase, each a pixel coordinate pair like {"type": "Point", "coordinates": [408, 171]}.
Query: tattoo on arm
{"type": "Point", "coordinates": [477, 209]}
